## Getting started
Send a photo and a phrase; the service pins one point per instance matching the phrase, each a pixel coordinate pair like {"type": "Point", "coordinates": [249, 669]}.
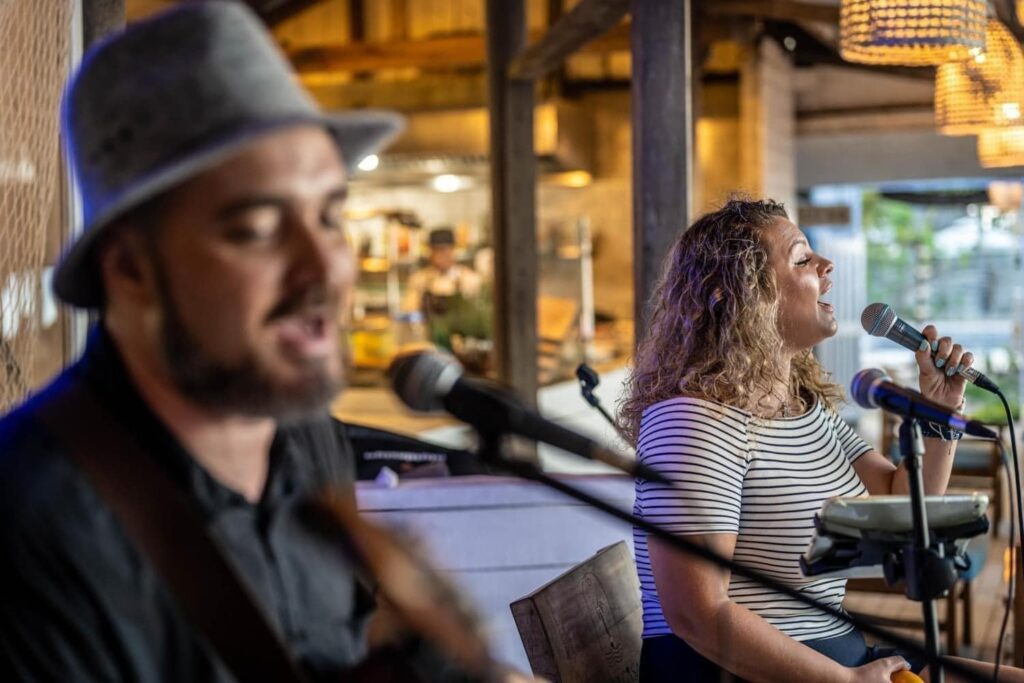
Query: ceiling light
{"type": "Point", "coordinates": [450, 183]}
{"type": "Point", "coordinates": [911, 32]}
{"type": "Point", "coordinates": [1001, 147]}
{"type": "Point", "coordinates": [369, 163]}
{"type": "Point", "coordinates": [976, 94]}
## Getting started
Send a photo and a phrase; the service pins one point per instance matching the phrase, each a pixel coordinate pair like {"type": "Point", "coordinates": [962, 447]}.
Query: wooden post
{"type": "Point", "coordinates": [100, 17]}
{"type": "Point", "coordinates": [513, 197]}
{"type": "Point", "coordinates": [662, 138]}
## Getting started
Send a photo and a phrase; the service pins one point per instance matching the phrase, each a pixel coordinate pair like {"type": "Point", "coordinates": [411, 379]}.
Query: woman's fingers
{"type": "Point", "coordinates": [967, 360]}
{"type": "Point", "coordinates": [924, 352]}
{"type": "Point", "coordinates": [943, 347]}
{"type": "Point", "coordinates": [939, 360]}
{"type": "Point", "coordinates": [954, 360]}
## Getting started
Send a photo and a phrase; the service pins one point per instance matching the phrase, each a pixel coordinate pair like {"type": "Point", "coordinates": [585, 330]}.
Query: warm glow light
{"type": "Point", "coordinates": [450, 183]}
{"type": "Point", "coordinates": [982, 93]}
{"type": "Point", "coordinates": [1005, 195]}
{"type": "Point", "coordinates": [571, 178]}
{"type": "Point", "coordinates": [911, 32]}
{"type": "Point", "coordinates": [1001, 147]}
{"type": "Point", "coordinates": [369, 163]}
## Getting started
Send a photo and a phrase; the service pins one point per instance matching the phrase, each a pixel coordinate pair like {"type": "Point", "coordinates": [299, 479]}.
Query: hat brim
{"type": "Point", "coordinates": [357, 134]}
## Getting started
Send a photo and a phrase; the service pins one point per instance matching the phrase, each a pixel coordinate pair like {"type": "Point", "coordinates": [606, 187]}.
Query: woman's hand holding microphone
{"type": "Point", "coordinates": [939, 378]}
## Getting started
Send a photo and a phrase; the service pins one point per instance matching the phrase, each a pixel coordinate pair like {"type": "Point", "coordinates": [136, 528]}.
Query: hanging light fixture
{"type": "Point", "coordinates": [911, 32]}
{"type": "Point", "coordinates": [1001, 147]}
{"type": "Point", "coordinates": [985, 91]}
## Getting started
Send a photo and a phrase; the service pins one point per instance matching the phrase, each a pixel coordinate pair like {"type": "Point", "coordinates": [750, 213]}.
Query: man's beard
{"type": "Point", "coordinates": [243, 387]}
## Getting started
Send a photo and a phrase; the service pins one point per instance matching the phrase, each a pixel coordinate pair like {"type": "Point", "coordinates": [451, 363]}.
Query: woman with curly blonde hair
{"type": "Point", "coordinates": [727, 400]}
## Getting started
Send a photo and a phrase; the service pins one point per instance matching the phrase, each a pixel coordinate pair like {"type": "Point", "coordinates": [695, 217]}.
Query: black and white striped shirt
{"type": "Point", "coordinates": [761, 479]}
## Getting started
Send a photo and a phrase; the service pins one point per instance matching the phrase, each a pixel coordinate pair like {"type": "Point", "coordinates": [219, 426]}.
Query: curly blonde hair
{"type": "Point", "coordinates": [712, 330]}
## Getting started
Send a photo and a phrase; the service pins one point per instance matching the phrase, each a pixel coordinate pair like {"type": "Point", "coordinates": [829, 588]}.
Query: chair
{"type": "Point", "coordinates": [586, 624]}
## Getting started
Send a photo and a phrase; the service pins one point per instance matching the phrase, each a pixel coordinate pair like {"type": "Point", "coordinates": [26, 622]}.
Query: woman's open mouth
{"type": "Point", "coordinates": [825, 290]}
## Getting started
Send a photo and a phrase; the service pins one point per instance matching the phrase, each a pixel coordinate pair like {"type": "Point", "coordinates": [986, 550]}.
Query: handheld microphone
{"type": "Point", "coordinates": [880, 320]}
{"type": "Point", "coordinates": [872, 388]}
{"type": "Point", "coordinates": [430, 382]}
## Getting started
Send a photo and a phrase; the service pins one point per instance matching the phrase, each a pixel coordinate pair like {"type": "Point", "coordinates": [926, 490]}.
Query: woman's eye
{"type": "Point", "coordinates": [804, 262]}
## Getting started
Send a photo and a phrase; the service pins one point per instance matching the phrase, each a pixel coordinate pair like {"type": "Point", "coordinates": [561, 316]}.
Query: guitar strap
{"type": "Point", "coordinates": [168, 531]}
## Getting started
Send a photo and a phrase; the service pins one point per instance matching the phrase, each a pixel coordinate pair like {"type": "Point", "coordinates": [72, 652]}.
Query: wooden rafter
{"type": "Point", "coordinates": [587, 21]}
{"type": "Point", "coordinates": [445, 52]}
{"type": "Point", "coordinates": [276, 11]}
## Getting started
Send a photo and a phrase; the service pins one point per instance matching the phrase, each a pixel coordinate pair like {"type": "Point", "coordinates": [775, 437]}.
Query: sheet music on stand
{"type": "Point", "coordinates": [862, 537]}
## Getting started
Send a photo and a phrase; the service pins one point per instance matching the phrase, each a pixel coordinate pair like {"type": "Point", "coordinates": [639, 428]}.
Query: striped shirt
{"type": "Point", "coordinates": [761, 479]}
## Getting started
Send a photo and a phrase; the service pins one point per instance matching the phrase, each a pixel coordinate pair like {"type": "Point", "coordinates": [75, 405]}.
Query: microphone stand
{"type": "Point", "coordinates": [491, 453]}
{"type": "Point", "coordinates": [587, 387]}
{"type": "Point", "coordinates": [928, 574]}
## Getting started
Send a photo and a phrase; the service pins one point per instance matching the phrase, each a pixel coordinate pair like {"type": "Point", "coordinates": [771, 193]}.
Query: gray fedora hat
{"type": "Point", "coordinates": [173, 96]}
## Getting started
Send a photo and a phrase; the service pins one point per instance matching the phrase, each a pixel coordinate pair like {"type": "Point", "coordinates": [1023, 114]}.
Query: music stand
{"type": "Point", "coordinates": [852, 536]}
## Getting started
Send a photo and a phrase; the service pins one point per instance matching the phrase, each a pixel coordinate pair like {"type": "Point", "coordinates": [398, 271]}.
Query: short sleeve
{"type": "Point", "coordinates": [849, 440]}
{"type": "Point", "coordinates": [702, 448]}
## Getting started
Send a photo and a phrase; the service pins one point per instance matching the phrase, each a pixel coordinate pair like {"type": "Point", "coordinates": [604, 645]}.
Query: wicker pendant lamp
{"type": "Point", "coordinates": [911, 32]}
{"type": "Point", "coordinates": [1001, 147]}
{"type": "Point", "coordinates": [985, 91]}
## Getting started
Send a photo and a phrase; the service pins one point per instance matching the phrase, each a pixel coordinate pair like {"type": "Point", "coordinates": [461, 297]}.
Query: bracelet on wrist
{"type": "Point", "coordinates": [937, 431]}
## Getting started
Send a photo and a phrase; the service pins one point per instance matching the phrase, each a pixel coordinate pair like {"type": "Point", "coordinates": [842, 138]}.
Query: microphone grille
{"type": "Point", "coordinates": [860, 386]}
{"type": "Point", "coordinates": [416, 379]}
{"type": "Point", "coordinates": [877, 319]}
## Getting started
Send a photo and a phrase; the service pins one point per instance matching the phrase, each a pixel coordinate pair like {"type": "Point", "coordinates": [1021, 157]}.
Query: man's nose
{"type": "Point", "coordinates": [320, 257]}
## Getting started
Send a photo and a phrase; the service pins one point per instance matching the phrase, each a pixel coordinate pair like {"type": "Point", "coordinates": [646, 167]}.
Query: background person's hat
{"type": "Point", "coordinates": [442, 236]}
{"type": "Point", "coordinates": [171, 97]}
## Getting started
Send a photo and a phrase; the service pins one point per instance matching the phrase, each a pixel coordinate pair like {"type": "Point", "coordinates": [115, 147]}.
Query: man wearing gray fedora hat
{"type": "Point", "coordinates": [214, 258]}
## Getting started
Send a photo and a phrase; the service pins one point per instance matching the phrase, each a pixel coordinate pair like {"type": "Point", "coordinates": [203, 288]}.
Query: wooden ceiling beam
{"type": "Point", "coordinates": [275, 11]}
{"type": "Point", "coordinates": [588, 20]}
{"type": "Point", "coordinates": [445, 52]}
{"type": "Point", "coordinates": [777, 10]}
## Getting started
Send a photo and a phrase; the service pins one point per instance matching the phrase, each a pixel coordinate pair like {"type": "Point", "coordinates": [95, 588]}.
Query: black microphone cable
{"type": "Point", "coordinates": [1015, 494]}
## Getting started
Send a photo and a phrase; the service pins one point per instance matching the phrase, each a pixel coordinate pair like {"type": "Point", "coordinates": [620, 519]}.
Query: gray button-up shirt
{"type": "Point", "coordinates": [79, 603]}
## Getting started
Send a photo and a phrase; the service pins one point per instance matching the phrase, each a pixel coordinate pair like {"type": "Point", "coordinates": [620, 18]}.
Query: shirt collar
{"type": "Point", "coordinates": [103, 371]}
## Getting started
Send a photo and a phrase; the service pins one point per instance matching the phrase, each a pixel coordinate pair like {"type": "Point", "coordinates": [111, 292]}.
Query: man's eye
{"type": "Point", "coordinates": [255, 226]}
{"type": "Point", "coordinates": [244, 233]}
{"type": "Point", "coordinates": [333, 217]}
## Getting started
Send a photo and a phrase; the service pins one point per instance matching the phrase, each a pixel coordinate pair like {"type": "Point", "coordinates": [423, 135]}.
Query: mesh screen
{"type": "Point", "coordinates": [34, 55]}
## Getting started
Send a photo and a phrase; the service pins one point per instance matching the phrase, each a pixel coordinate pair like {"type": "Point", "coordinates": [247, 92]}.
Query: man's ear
{"type": "Point", "coordinates": [126, 267]}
